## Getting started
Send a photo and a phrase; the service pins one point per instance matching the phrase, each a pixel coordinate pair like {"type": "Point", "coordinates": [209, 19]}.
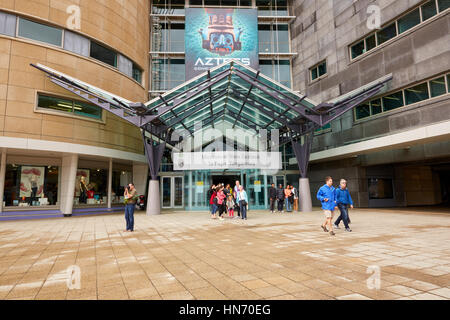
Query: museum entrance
{"type": "Point", "coordinates": [226, 179]}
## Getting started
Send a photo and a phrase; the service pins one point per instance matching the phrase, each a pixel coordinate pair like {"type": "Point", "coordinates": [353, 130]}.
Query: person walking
{"type": "Point", "coordinates": [213, 203]}
{"type": "Point", "coordinates": [130, 196]}
{"type": "Point", "coordinates": [221, 202]}
{"type": "Point", "coordinates": [287, 195]}
{"type": "Point", "coordinates": [280, 198]}
{"type": "Point", "coordinates": [327, 196]}
{"type": "Point", "coordinates": [243, 202]}
{"type": "Point", "coordinates": [272, 197]}
{"type": "Point", "coordinates": [210, 193]}
{"type": "Point", "coordinates": [343, 201]}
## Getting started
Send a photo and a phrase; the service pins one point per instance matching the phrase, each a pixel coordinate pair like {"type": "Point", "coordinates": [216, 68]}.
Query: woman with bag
{"type": "Point", "coordinates": [213, 203]}
{"type": "Point", "coordinates": [243, 202]}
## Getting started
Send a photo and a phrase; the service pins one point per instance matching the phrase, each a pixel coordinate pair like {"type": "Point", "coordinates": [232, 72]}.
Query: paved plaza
{"type": "Point", "coordinates": [186, 255]}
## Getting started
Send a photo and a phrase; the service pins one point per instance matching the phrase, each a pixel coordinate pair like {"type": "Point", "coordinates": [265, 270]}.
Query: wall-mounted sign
{"type": "Point", "coordinates": [214, 36]}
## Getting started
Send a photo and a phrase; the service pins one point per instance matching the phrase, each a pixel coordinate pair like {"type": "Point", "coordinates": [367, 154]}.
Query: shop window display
{"type": "Point", "coordinates": [91, 187]}
{"type": "Point", "coordinates": [30, 186]}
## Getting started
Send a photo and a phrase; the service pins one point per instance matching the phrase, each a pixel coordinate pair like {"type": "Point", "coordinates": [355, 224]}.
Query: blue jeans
{"type": "Point", "coordinates": [129, 216]}
{"type": "Point", "coordinates": [344, 215]}
{"type": "Point", "coordinates": [288, 204]}
{"type": "Point", "coordinates": [243, 210]}
{"type": "Point", "coordinates": [214, 208]}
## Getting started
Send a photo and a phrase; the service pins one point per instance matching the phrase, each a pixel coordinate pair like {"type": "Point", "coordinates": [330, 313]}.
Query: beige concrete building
{"type": "Point", "coordinates": [48, 137]}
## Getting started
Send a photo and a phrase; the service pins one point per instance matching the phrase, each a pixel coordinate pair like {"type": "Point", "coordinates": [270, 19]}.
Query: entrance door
{"type": "Point", "coordinates": [172, 195]}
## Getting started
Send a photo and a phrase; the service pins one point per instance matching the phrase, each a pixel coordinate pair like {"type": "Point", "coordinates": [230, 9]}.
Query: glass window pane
{"type": "Point", "coordinates": [125, 65]}
{"type": "Point", "coordinates": [362, 111]}
{"type": "Point", "coordinates": [314, 73]}
{"type": "Point", "coordinates": [159, 74]}
{"type": "Point", "coordinates": [266, 67]}
{"type": "Point", "coordinates": [137, 73]}
{"type": "Point", "coordinates": [176, 72]}
{"type": "Point", "coordinates": [7, 24]}
{"type": "Point", "coordinates": [376, 106]}
{"type": "Point", "coordinates": [176, 37]}
{"type": "Point", "coordinates": [443, 4]}
{"type": "Point", "coordinates": [281, 38]}
{"type": "Point", "coordinates": [40, 32]}
{"type": "Point", "coordinates": [387, 33]}
{"type": "Point", "coordinates": [429, 9]}
{"type": "Point", "coordinates": [76, 43]}
{"type": "Point", "coordinates": [357, 49]}
{"type": "Point", "coordinates": [370, 42]}
{"type": "Point", "coordinates": [410, 20]}
{"type": "Point", "coordinates": [265, 38]}
{"type": "Point", "coordinates": [103, 54]}
{"type": "Point", "coordinates": [55, 103]}
{"type": "Point", "coordinates": [448, 83]}
{"type": "Point", "coordinates": [417, 93]}
{"type": "Point", "coordinates": [86, 110]}
{"type": "Point", "coordinates": [393, 101]}
{"type": "Point", "coordinates": [283, 72]}
{"type": "Point", "coordinates": [322, 69]}
{"type": "Point", "coordinates": [437, 87]}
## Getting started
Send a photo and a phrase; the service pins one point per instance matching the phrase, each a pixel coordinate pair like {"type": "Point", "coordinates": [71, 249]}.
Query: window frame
{"type": "Point", "coordinates": [72, 114]}
{"type": "Point", "coordinates": [18, 36]}
{"type": "Point", "coordinates": [316, 66]}
{"type": "Point", "coordinates": [410, 10]}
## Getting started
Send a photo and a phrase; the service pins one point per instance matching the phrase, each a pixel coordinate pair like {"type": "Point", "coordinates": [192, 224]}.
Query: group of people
{"type": "Point", "coordinates": [332, 199]}
{"type": "Point", "coordinates": [283, 197]}
{"type": "Point", "coordinates": [224, 199]}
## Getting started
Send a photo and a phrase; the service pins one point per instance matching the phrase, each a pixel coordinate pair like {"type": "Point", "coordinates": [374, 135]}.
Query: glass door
{"type": "Point", "coordinates": [172, 192]}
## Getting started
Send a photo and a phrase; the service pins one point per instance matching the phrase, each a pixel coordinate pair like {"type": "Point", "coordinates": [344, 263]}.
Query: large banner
{"type": "Point", "coordinates": [214, 36]}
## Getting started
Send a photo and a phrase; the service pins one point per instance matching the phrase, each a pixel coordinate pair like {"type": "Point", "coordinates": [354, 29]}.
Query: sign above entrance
{"type": "Point", "coordinates": [214, 36]}
{"type": "Point", "coordinates": [226, 160]}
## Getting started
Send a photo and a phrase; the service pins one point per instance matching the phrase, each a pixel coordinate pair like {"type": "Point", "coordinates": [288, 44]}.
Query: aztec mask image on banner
{"type": "Point", "coordinates": [215, 36]}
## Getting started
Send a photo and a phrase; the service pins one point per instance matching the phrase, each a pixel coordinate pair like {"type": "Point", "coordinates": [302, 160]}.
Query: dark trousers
{"type": "Point", "coordinates": [129, 216]}
{"type": "Point", "coordinates": [222, 209]}
{"type": "Point", "coordinates": [243, 210]}
{"type": "Point", "coordinates": [344, 215]}
{"type": "Point", "coordinates": [33, 195]}
{"type": "Point", "coordinates": [280, 204]}
{"type": "Point", "coordinates": [272, 204]}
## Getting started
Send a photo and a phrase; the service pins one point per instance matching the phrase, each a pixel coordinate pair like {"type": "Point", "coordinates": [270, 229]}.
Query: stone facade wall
{"type": "Point", "coordinates": [123, 25]}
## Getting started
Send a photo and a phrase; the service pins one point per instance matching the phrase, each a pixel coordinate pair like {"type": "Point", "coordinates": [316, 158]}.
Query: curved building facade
{"type": "Point", "coordinates": [50, 138]}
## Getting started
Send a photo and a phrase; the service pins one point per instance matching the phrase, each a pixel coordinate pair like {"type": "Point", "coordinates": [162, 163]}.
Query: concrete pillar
{"type": "Point", "coordinates": [68, 177]}
{"type": "Point", "coordinates": [2, 177]}
{"type": "Point", "coordinates": [140, 176]}
{"type": "Point", "coordinates": [305, 195]}
{"type": "Point", "coordinates": [153, 198]}
{"type": "Point", "coordinates": [110, 183]}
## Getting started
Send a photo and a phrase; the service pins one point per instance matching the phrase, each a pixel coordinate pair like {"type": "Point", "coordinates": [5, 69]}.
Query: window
{"type": "Point", "coordinates": [417, 93]}
{"type": "Point", "coordinates": [375, 106]}
{"type": "Point", "coordinates": [137, 73]}
{"type": "Point", "coordinates": [428, 10]}
{"type": "Point", "coordinates": [167, 73]}
{"type": "Point", "coordinates": [125, 65]}
{"type": "Point", "coordinates": [386, 33]}
{"type": "Point", "coordinates": [443, 5]}
{"type": "Point", "coordinates": [273, 37]}
{"type": "Point", "coordinates": [393, 101]}
{"type": "Point", "coordinates": [168, 37]}
{"type": "Point", "coordinates": [448, 82]}
{"type": "Point", "coordinates": [437, 87]}
{"type": "Point", "coordinates": [408, 21]}
{"type": "Point", "coordinates": [362, 111]}
{"type": "Point", "coordinates": [272, 7]}
{"type": "Point", "coordinates": [7, 24]}
{"type": "Point", "coordinates": [39, 32]}
{"type": "Point", "coordinates": [69, 106]}
{"type": "Point", "coordinates": [31, 185]}
{"type": "Point", "coordinates": [319, 70]}
{"type": "Point", "coordinates": [168, 7]}
{"type": "Point", "coordinates": [76, 43]}
{"type": "Point", "coordinates": [358, 49]}
{"type": "Point", "coordinates": [278, 70]}
{"type": "Point", "coordinates": [103, 54]}
{"type": "Point", "coordinates": [370, 42]}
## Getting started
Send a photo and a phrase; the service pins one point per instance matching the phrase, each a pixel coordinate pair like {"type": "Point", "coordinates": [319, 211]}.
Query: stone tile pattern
{"type": "Point", "coordinates": [186, 255]}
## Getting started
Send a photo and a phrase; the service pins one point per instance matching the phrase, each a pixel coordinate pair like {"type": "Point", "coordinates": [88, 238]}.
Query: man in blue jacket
{"type": "Point", "coordinates": [343, 201]}
{"type": "Point", "coordinates": [327, 196]}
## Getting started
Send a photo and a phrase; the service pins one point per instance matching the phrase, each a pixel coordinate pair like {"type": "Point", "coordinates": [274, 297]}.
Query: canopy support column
{"type": "Point", "coordinates": [302, 152]}
{"type": "Point", "coordinates": [154, 154]}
